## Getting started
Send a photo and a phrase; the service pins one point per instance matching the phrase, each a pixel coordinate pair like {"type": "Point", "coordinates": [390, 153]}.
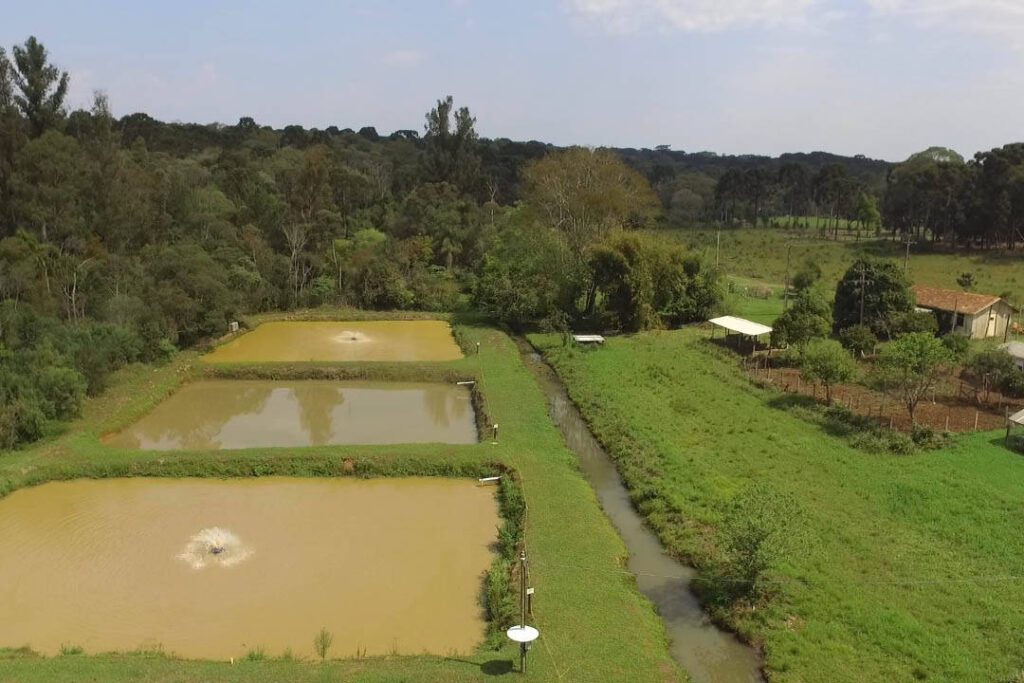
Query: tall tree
{"type": "Point", "coordinates": [795, 188]}
{"type": "Point", "coordinates": [585, 193]}
{"type": "Point", "coordinates": [832, 189]}
{"type": "Point", "coordinates": [452, 149]}
{"type": "Point", "coordinates": [11, 137]}
{"type": "Point", "coordinates": [872, 293]}
{"type": "Point", "coordinates": [925, 194]}
{"type": "Point", "coordinates": [42, 87]}
{"type": "Point", "coordinates": [48, 187]}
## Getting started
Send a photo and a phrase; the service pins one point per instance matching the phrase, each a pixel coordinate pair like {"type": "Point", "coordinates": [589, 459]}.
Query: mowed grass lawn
{"type": "Point", "coordinates": [913, 568]}
{"type": "Point", "coordinates": [760, 253]}
{"type": "Point", "coordinates": [583, 594]}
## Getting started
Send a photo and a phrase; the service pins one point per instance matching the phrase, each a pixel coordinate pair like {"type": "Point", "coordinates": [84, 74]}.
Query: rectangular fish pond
{"type": "Point", "coordinates": [378, 340]}
{"type": "Point", "coordinates": [213, 569]}
{"type": "Point", "coordinates": [226, 414]}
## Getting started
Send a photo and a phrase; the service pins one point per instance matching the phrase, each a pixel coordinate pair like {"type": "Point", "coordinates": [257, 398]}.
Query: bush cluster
{"type": "Point", "coordinates": [47, 368]}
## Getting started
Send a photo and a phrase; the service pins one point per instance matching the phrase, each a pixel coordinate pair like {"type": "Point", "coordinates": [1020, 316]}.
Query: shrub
{"type": "Point", "coordinates": [826, 361]}
{"type": "Point", "coordinates": [909, 322]}
{"type": "Point", "coordinates": [858, 339]}
{"type": "Point", "coordinates": [911, 365]}
{"type": "Point", "coordinates": [884, 441]}
{"type": "Point", "coordinates": [257, 654]}
{"type": "Point", "coordinates": [992, 368]}
{"type": "Point", "coordinates": [1013, 385]}
{"type": "Point", "coordinates": [957, 344]}
{"type": "Point", "coordinates": [808, 318]}
{"type": "Point", "coordinates": [63, 390]}
{"type": "Point", "coordinates": [21, 421]}
{"type": "Point", "coordinates": [925, 437]}
{"type": "Point", "coordinates": [322, 642]}
{"type": "Point", "coordinates": [756, 534]}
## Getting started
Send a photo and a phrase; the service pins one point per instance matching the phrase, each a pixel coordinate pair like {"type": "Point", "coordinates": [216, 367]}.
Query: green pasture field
{"type": "Point", "coordinates": [909, 568]}
{"type": "Point", "coordinates": [760, 254]}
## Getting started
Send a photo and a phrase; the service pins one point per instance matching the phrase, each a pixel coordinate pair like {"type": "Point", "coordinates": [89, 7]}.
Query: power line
{"type": "Point", "coordinates": [979, 578]}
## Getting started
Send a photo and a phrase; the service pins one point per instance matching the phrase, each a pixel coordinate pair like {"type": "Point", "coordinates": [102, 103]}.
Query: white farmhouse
{"type": "Point", "coordinates": [977, 316]}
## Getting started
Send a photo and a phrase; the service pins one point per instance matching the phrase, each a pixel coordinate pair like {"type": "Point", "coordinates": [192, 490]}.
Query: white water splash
{"type": "Point", "coordinates": [349, 337]}
{"type": "Point", "coordinates": [214, 547]}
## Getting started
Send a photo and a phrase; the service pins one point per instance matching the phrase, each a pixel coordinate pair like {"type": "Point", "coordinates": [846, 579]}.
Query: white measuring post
{"type": "Point", "coordinates": [523, 634]}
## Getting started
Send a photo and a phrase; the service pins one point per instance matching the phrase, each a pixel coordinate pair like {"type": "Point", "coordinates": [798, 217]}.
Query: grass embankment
{"type": "Point", "coordinates": [912, 570]}
{"type": "Point", "coordinates": [574, 608]}
{"type": "Point", "coordinates": [761, 254]}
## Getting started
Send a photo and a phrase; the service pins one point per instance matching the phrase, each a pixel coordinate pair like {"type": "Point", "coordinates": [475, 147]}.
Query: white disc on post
{"type": "Point", "coordinates": [523, 634]}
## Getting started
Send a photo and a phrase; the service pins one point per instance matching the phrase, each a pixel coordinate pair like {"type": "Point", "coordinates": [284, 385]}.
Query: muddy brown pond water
{"type": "Point", "coordinates": [378, 340]}
{"type": "Point", "coordinates": [225, 414]}
{"type": "Point", "coordinates": [214, 568]}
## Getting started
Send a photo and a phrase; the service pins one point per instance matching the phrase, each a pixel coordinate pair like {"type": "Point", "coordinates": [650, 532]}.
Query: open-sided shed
{"type": "Point", "coordinates": [741, 328]}
{"type": "Point", "coordinates": [1015, 420]}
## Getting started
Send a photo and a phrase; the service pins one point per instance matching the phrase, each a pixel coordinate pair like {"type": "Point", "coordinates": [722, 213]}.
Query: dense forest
{"type": "Point", "coordinates": [124, 239]}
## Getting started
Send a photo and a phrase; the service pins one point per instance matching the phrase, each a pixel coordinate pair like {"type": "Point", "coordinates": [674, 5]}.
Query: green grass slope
{"type": "Point", "coordinates": [913, 565]}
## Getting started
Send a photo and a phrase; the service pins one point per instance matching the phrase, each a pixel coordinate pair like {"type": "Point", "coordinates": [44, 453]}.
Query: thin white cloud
{"type": "Point", "coordinates": [403, 58]}
{"type": "Point", "coordinates": [694, 15]}
{"type": "Point", "coordinates": [1003, 19]}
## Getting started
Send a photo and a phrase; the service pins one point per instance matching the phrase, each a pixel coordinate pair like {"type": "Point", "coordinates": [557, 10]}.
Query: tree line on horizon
{"type": "Point", "coordinates": [935, 195]}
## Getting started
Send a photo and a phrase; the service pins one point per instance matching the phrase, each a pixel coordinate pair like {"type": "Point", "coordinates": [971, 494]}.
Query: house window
{"type": "Point", "coordinates": [959, 320]}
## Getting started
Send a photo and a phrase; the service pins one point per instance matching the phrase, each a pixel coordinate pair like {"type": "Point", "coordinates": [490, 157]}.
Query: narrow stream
{"type": "Point", "coordinates": [707, 653]}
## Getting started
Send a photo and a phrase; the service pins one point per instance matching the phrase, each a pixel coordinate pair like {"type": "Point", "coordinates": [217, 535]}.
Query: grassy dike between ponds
{"type": "Point", "coordinates": [582, 592]}
{"type": "Point", "coordinates": [911, 565]}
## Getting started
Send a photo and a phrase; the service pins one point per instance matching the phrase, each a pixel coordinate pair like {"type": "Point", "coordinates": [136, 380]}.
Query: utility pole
{"type": "Point", "coordinates": [906, 258]}
{"type": "Point", "coordinates": [863, 288]}
{"type": "Point", "coordinates": [718, 246]}
{"type": "Point", "coordinates": [522, 596]}
{"type": "Point", "coordinates": [785, 294]}
{"type": "Point", "coordinates": [523, 634]}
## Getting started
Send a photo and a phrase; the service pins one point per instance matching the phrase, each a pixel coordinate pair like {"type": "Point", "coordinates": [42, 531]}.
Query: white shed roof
{"type": "Point", "coordinates": [747, 327]}
{"type": "Point", "coordinates": [1018, 418]}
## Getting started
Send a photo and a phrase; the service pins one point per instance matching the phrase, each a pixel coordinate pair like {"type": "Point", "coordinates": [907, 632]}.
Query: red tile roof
{"type": "Point", "coordinates": [947, 299]}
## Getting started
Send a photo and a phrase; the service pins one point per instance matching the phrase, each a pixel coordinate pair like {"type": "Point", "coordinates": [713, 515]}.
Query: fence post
{"type": "Point", "coordinates": [976, 416]}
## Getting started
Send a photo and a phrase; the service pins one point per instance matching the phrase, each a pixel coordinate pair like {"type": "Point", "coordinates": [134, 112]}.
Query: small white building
{"type": "Point", "coordinates": [977, 316]}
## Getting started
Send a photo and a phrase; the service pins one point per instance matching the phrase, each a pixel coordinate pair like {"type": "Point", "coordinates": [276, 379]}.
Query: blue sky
{"type": "Point", "coordinates": [883, 78]}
